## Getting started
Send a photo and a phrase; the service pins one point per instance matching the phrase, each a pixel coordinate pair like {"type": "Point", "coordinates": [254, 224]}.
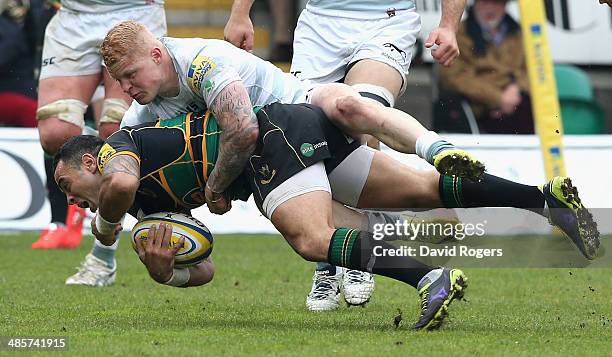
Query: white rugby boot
{"type": "Point", "coordinates": [93, 272]}
{"type": "Point", "coordinates": [358, 287]}
{"type": "Point", "coordinates": [325, 292]}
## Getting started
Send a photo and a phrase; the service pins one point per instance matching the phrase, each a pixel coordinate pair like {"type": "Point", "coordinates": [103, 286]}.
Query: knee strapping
{"type": "Point", "coordinates": [377, 93]}
{"type": "Point", "coordinates": [113, 110]}
{"type": "Point", "coordinates": [68, 110]}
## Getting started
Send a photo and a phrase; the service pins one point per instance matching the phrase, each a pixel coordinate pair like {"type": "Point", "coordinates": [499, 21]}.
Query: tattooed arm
{"type": "Point", "coordinates": [234, 113]}
{"type": "Point", "coordinates": [120, 182]}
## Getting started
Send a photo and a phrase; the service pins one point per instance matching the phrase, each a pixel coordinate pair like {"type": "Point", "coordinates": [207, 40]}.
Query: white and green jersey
{"type": "Point", "coordinates": [100, 6]}
{"type": "Point", "coordinates": [363, 9]}
{"type": "Point", "coordinates": [205, 68]}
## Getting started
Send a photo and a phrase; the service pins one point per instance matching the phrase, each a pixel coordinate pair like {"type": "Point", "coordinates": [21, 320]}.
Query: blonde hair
{"type": "Point", "coordinates": [122, 42]}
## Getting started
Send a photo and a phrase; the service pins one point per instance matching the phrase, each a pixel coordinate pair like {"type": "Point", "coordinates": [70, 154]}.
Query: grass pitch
{"type": "Point", "coordinates": [255, 306]}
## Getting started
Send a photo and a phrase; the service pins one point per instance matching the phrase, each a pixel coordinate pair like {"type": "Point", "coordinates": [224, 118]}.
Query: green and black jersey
{"type": "Point", "coordinates": [176, 157]}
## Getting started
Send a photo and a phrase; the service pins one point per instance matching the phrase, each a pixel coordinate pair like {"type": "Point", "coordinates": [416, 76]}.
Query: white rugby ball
{"type": "Point", "coordinates": [198, 240]}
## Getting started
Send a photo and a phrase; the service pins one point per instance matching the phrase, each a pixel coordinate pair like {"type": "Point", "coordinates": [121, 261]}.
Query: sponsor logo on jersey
{"type": "Point", "coordinates": [200, 68]}
{"type": "Point", "coordinates": [307, 149]}
{"type": "Point", "coordinates": [106, 153]}
{"type": "Point", "coordinates": [209, 85]}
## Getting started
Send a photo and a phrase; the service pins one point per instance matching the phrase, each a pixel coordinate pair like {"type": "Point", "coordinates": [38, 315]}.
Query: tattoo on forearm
{"type": "Point", "coordinates": [235, 116]}
{"type": "Point", "coordinates": [123, 163]}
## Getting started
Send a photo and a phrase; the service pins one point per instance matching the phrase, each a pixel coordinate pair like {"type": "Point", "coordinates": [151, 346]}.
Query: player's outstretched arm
{"type": "Point", "coordinates": [120, 181]}
{"type": "Point", "coordinates": [202, 273]}
{"type": "Point", "coordinates": [240, 130]}
{"type": "Point", "coordinates": [239, 28]}
{"type": "Point", "coordinates": [445, 34]}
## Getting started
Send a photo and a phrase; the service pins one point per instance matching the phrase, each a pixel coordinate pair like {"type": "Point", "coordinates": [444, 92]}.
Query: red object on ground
{"type": "Point", "coordinates": [70, 236]}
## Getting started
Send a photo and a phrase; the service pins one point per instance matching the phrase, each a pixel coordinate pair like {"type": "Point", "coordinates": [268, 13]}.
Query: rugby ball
{"type": "Point", "coordinates": [198, 239]}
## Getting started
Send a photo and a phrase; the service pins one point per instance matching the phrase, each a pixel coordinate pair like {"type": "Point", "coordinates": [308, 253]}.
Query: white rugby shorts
{"type": "Point", "coordinates": [324, 46]}
{"type": "Point", "coordinates": [73, 39]}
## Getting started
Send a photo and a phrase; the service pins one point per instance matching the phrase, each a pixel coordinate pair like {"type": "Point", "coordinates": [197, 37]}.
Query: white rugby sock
{"type": "Point", "coordinates": [105, 253]}
{"type": "Point", "coordinates": [431, 144]}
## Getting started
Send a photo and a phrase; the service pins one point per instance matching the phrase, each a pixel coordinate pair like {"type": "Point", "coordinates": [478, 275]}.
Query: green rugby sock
{"type": "Point", "coordinates": [492, 191]}
{"type": "Point", "coordinates": [354, 249]}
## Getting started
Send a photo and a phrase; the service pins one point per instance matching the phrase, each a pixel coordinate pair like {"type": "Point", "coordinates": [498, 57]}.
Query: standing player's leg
{"type": "Point", "coordinates": [99, 267]}
{"type": "Point", "coordinates": [375, 80]}
{"type": "Point", "coordinates": [381, 83]}
{"type": "Point", "coordinates": [323, 36]}
{"type": "Point", "coordinates": [51, 237]}
{"type": "Point", "coordinates": [60, 114]}
{"type": "Point", "coordinates": [116, 103]}
{"type": "Point", "coordinates": [375, 67]}
{"type": "Point", "coordinates": [62, 102]}
{"type": "Point", "coordinates": [69, 75]}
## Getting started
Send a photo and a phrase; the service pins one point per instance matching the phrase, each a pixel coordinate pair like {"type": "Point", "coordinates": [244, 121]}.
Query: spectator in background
{"type": "Point", "coordinates": [491, 72]}
{"type": "Point", "coordinates": [17, 49]}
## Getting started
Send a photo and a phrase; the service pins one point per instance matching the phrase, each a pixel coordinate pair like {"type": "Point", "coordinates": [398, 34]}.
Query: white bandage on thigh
{"type": "Point", "coordinates": [68, 110]}
{"type": "Point", "coordinates": [312, 178]}
{"type": "Point", "coordinates": [378, 91]}
{"type": "Point", "coordinates": [113, 110]}
{"type": "Point", "coordinates": [348, 179]}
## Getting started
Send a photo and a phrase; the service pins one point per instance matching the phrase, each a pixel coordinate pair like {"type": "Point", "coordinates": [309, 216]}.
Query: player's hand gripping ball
{"type": "Point", "coordinates": [198, 240]}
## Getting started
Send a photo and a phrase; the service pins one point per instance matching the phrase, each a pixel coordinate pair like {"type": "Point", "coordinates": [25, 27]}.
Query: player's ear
{"type": "Point", "coordinates": [156, 55]}
{"type": "Point", "coordinates": [90, 162]}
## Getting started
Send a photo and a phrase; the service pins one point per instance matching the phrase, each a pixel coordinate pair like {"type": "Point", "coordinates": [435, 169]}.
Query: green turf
{"type": "Point", "coordinates": [255, 306]}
